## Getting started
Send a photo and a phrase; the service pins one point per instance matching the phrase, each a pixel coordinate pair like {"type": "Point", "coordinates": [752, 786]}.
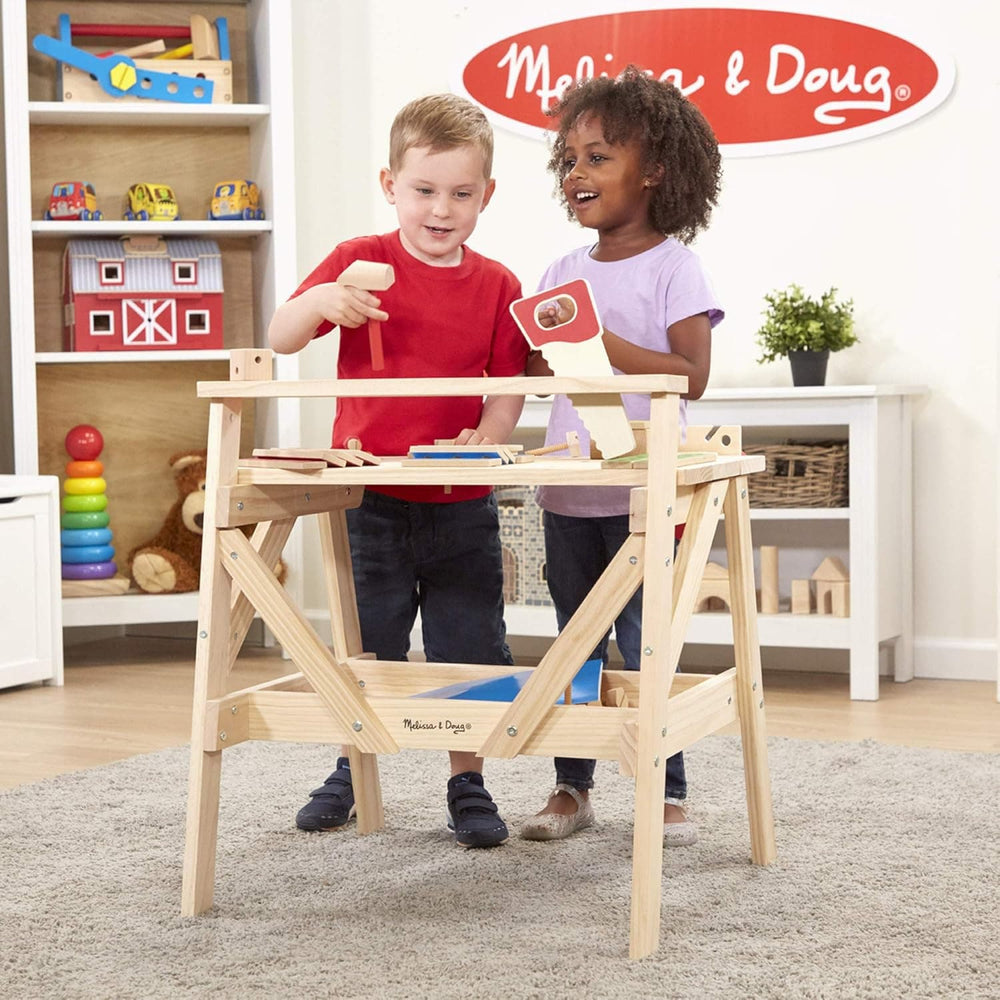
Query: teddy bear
{"type": "Point", "coordinates": [170, 562]}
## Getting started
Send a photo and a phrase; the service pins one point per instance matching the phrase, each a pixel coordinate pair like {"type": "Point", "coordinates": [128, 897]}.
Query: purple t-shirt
{"type": "Point", "coordinates": [638, 299]}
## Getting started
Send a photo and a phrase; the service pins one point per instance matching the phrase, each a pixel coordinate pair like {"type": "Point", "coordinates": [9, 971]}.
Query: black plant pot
{"type": "Point", "coordinates": [808, 367]}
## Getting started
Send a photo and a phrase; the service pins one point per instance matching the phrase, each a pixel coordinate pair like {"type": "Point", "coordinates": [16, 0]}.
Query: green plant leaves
{"type": "Point", "coordinates": [793, 321]}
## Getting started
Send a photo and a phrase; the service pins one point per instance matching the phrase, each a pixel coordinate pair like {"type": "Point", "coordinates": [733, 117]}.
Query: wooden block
{"type": "Point", "coordinates": [204, 41]}
{"type": "Point", "coordinates": [287, 464]}
{"type": "Point", "coordinates": [249, 365]}
{"type": "Point", "coordinates": [723, 440]}
{"type": "Point", "coordinates": [713, 593]}
{"type": "Point", "coordinates": [769, 579]}
{"type": "Point", "coordinates": [95, 588]}
{"type": "Point", "coordinates": [801, 597]}
{"type": "Point", "coordinates": [840, 599]}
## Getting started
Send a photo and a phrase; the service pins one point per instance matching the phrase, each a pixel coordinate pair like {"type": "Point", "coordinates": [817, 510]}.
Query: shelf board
{"type": "Point", "coordinates": [92, 357]}
{"type": "Point", "coordinates": [129, 609]}
{"type": "Point", "coordinates": [119, 227]}
{"type": "Point", "coordinates": [712, 628]}
{"type": "Point", "coordinates": [148, 114]}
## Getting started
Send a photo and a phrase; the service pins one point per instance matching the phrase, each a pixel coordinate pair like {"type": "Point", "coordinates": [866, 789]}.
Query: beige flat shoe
{"type": "Point", "coordinates": [679, 834]}
{"type": "Point", "coordinates": [552, 826]}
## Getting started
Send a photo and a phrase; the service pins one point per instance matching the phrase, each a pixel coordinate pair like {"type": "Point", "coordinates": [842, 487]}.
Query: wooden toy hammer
{"type": "Point", "coordinates": [372, 277]}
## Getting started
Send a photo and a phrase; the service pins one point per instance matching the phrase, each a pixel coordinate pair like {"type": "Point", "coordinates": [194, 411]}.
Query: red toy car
{"type": "Point", "coordinates": [73, 200]}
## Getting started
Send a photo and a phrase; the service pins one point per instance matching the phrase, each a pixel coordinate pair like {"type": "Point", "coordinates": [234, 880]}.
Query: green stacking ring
{"type": "Point", "coordinates": [75, 520]}
{"type": "Point", "coordinates": [89, 501]}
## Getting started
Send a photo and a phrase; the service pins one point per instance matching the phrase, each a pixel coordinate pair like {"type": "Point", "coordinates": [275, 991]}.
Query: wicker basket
{"type": "Point", "coordinates": [800, 474]}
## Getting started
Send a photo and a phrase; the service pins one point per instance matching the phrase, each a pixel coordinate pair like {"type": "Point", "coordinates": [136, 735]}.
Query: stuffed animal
{"type": "Point", "coordinates": [170, 562]}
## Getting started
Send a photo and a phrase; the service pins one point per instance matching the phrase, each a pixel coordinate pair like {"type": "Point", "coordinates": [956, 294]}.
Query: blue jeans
{"type": "Point", "coordinates": [577, 550]}
{"type": "Point", "coordinates": [441, 558]}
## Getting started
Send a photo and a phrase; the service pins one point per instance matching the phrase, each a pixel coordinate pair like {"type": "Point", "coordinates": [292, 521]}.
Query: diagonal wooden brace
{"type": "Point", "coordinates": [329, 679]}
{"type": "Point", "coordinates": [692, 557]}
{"type": "Point", "coordinates": [268, 539]}
{"type": "Point", "coordinates": [619, 581]}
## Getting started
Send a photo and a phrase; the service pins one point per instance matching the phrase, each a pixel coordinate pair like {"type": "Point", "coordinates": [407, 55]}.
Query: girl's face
{"type": "Point", "coordinates": [605, 184]}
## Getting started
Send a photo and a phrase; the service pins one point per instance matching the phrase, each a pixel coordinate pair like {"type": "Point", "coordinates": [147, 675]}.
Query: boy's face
{"type": "Point", "coordinates": [438, 198]}
{"type": "Point", "coordinates": [605, 184]}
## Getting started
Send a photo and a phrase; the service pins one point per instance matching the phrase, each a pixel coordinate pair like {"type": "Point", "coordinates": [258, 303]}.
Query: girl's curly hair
{"type": "Point", "coordinates": [672, 133]}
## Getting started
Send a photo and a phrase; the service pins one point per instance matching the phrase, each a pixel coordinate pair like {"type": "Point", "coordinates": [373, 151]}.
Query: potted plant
{"type": "Point", "coordinates": [806, 331]}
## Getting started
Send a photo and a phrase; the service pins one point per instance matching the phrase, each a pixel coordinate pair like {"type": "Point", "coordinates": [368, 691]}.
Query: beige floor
{"type": "Point", "coordinates": [130, 696]}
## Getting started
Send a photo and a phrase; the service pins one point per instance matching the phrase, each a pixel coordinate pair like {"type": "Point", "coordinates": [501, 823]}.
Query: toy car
{"type": "Point", "coordinates": [236, 200]}
{"type": "Point", "coordinates": [151, 203]}
{"type": "Point", "coordinates": [73, 200]}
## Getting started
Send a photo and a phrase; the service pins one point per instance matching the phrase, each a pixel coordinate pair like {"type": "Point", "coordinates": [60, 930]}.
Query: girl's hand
{"type": "Point", "coordinates": [556, 312]}
{"type": "Point", "coordinates": [345, 305]}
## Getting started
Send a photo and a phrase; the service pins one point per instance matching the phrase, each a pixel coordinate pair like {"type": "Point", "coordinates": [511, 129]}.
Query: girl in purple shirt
{"type": "Point", "coordinates": [638, 163]}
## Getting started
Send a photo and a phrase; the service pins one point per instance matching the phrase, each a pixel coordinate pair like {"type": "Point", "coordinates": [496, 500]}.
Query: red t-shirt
{"type": "Point", "coordinates": [444, 322]}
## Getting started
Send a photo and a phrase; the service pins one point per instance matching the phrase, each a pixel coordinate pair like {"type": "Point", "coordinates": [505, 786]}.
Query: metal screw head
{"type": "Point", "coordinates": [233, 555]}
{"type": "Point", "coordinates": [361, 684]}
{"type": "Point", "coordinates": [232, 711]}
{"type": "Point", "coordinates": [203, 634]}
{"type": "Point", "coordinates": [356, 726]}
{"type": "Point", "coordinates": [663, 731]}
{"type": "Point", "coordinates": [222, 736]}
{"type": "Point", "coordinates": [656, 762]}
{"type": "Point", "coordinates": [743, 494]}
{"type": "Point", "coordinates": [308, 497]}
{"type": "Point", "coordinates": [512, 730]}
{"type": "Point", "coordinates": [648, 651]}
{"type": "Point", "coordinates": [715, 501]}
{"type": "Point", "coordinates": [761, 705]}
{"type": "Point", "coordinates": [632, 560]}
{"type": "Point", "coordinates": [239, 505]}
{"type": "Point", "coordinates": [753, 687]}
{"type": "Point", "coordinates": [670, 511]}
{"type": "Point", "coordinates": [666, 562]}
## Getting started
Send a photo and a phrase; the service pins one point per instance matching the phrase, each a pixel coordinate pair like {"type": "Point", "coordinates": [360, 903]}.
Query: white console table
{"type": "Point", "coordinates": [877, 422]}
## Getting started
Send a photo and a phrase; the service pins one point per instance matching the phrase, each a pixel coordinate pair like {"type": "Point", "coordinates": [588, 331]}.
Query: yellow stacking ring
{"type": "Point", "coordinates": [82, 487]}
{"type": "Point", "coordinates": [85, 501]}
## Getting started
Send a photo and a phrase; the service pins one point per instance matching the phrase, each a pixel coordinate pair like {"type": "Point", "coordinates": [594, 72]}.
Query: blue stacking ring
{"type": "Point", "coordinates": [74, 537]}
{"type": "Point", "coordinates": [88, 554]}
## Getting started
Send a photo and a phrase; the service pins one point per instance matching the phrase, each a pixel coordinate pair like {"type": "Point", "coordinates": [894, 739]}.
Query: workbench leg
{"type": "Point", "coordinates": [211, 669]}
{"type": "Point", "coordinates": [655, 675]}
{"type": "Point", "coordinates": [749, 684]}
{"type": "Point", "coordinates": [346, 631]}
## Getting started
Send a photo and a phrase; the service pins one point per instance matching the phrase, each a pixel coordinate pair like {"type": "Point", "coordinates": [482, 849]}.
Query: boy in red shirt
{"type": "Point", "coordinates": [445, 315]}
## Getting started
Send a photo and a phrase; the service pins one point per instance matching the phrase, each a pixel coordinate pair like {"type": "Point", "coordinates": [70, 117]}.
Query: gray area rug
{"type": "Point", "coordinates": [886, 885]}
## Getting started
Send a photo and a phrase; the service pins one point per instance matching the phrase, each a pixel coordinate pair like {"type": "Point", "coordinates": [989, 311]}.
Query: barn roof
{"type": "Point", "coordinates": [144, 271]}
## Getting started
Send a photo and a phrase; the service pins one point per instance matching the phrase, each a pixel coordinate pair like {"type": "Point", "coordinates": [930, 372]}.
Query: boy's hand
{"type": "Point", "coordinates": [345, 305]}
{"type": "Point", "coordinates": [471, 436]}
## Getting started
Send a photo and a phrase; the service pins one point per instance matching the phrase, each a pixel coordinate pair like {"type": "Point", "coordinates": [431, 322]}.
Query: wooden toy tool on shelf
{"type": "Point", "coordinates": [342, 695]}
{"type": "Point", "coordinates": [197, 72]}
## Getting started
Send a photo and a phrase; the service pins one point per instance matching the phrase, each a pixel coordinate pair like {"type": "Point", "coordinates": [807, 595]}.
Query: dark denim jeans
{"type": "Point", "coordinates": [577, 550]}
{"type": "Point", "coordinates": [441, 558]}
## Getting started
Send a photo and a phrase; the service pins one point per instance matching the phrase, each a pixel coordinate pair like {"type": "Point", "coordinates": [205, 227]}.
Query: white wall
{"type": "Point", "coordinates": [906, 223]}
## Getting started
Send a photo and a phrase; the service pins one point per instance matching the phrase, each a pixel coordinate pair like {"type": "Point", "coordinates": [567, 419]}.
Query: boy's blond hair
{"type": "Point", "coordinates": [440, 121]}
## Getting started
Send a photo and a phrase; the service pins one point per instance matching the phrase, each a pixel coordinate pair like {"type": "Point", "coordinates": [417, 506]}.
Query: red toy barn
{"type": "Point", "coordinates": [142, 294]}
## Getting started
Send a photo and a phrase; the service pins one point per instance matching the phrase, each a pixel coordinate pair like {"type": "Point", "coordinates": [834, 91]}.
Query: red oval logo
{"type": "Point", "coordinates": [768, 81]}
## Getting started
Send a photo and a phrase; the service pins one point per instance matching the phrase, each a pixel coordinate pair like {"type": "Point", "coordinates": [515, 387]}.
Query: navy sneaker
{"type": "Point", "coordinates": [331, 805]}
{"type": "Point", "coordinates": [472, 813]}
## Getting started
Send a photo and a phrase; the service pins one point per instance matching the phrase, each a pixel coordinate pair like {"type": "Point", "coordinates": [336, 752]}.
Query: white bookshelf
{"type": "Point", "coordinates": [179, 144]}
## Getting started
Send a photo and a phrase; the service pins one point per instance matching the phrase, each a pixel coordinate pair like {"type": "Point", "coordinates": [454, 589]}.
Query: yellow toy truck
{"type": "Point", "coordinates": [151, 203]}
{"type": "Point", "coordinates": [236, 200]}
